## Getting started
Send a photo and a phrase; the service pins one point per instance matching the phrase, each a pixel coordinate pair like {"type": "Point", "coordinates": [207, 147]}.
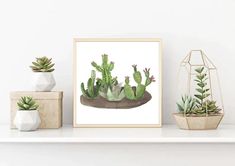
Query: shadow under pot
{"type": "Point", "coordinates": [27, 120]}
{"type": "Point", "coordinates": [43, 81]}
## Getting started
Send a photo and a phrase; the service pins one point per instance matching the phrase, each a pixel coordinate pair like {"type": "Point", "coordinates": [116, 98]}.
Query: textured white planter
{"type": "Point", "coordinates": [43, 81]}
{"type": "Point", "coordinates": [27, 120]}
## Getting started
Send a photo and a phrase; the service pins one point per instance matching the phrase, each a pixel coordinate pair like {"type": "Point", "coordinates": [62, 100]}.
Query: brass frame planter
{"type": "Point", "coordinates": [198, 122]}
{"type": "Point", "coordinates": [207, 120]}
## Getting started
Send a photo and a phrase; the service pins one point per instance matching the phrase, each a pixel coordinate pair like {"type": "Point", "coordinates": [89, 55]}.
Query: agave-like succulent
{"type": "Point", "coordinates": [27, 103]}
{"type": "Point", "coordinates": [187, 104]}
{"type": "Point", "coordinates": [43, 64]}
{"type": "Point", "coordinates": [116, 93]}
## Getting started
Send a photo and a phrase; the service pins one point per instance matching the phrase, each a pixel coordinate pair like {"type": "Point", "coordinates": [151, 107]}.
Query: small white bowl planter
{"type": "Point", "coordinates": [43, 81]}
{"type": "Point", "coordinates": [27, 120]}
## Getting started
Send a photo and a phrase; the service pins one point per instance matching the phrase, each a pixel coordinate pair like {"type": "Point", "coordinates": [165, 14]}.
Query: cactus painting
{"type": "Point", "coordinates": [117, 82]}
{"type": "Point", "coordinates": [107, 92]}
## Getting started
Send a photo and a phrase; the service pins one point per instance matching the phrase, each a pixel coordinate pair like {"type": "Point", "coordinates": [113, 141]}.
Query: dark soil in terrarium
{"type": "Point", "coordinates": [125, 103]}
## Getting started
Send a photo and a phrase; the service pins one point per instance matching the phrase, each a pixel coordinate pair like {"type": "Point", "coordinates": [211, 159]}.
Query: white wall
{"type": "Point", "coordinates": [35, 28]}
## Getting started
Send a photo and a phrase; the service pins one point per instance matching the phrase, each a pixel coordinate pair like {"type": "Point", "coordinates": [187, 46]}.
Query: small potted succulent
{"type": "Point", "coordinates": [27, 117]}
{"type": "Point", "coordinates": [43, 76]}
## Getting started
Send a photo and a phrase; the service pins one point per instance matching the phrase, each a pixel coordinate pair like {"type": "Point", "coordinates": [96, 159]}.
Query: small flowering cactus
{"type": "Point", "coordinates": [138, 93]}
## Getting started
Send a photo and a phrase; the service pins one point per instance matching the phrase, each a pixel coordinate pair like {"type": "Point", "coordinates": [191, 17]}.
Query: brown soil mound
{"type": "Point", "coordinates": [101, 102]}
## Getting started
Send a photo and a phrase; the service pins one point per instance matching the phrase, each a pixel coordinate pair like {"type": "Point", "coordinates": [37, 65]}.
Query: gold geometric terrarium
{"type": "Point", "coordinates": [201, 104]}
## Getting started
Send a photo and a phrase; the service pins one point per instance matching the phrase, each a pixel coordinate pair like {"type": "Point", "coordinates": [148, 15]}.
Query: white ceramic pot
{"type": "Point", "coordinates": [26, 120]}
{"type": "Point", "coordinates": [43, 81]}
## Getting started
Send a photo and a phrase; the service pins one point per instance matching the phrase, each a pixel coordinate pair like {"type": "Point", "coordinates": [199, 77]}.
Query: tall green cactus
{"type": "Point", "coordinates": [92, 90]}
{"type": "Point", "coordinates": [105, 68]}
{"type": "Point", "coordinates": [138, 92]}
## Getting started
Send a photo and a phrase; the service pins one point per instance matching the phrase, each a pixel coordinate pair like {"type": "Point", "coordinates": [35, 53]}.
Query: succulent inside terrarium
{"type": "Point", "coordinates": [43, 64]}
{"type": "Point", "coordinates": [200, 104]}
{"type": "Point", "coordinates": [106, 90]}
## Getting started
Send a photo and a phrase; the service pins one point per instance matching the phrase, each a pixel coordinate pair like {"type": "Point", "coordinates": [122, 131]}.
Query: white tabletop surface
{"type": "Point", "coordinates": [166, 134]}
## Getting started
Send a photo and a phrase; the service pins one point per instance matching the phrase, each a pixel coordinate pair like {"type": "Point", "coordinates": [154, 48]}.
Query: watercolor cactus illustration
{"type": "Point", "coordinates": [109, 88]}
{"type": "Point", "coordinates": [138, 92]}
{"type": "Point", "coordinates": [92, 90]}
{"type": "Point", "coordinates": [107, 92]}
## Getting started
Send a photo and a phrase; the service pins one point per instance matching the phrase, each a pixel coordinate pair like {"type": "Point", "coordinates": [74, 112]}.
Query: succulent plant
{"type": "Point", "coordinates": [138, 92]}
{"type": "Point", "coordinates": [187, 104]}
{"type": "Point", "coordinates": [114, 93]}
{"type": "Point", "coordinates": [203, 106]}
{"type": "Point", "coordinates": [42, 64]}
{"type": "Point", "coordinates": [105, 69]}
{"type": "Point", "coordinates": [199, 105]}
{"type": "Point", "coordinates": [201, 78]}
{"type": "Point", "coordinates": [93, 87]}
{"type": "Point", "coordinates": [27, 103]}
{"type": "Point", "coordinates": [210, 107]}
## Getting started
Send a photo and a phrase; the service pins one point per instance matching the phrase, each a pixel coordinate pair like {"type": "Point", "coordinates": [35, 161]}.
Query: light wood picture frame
{"type": "Point", "coordinates": [129, 110]}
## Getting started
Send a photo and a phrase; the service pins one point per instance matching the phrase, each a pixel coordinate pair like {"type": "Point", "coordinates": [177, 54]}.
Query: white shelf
{"type": "Point", "coordinates": [167, 134]}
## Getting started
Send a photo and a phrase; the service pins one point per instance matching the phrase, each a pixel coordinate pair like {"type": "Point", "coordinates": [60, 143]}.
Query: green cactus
{"type": "Point", "coordinates": [92, 90]}
{"type": "Point", "coordinates": [129, 92]}
{"type": "Point", "coordinates": [138, 92]}
{"type": "Point", "coordinates": [105, 68]}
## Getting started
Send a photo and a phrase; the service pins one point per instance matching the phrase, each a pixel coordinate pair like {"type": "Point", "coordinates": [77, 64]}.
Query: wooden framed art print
{"type": "Point", "coordinates": [117, 82]}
